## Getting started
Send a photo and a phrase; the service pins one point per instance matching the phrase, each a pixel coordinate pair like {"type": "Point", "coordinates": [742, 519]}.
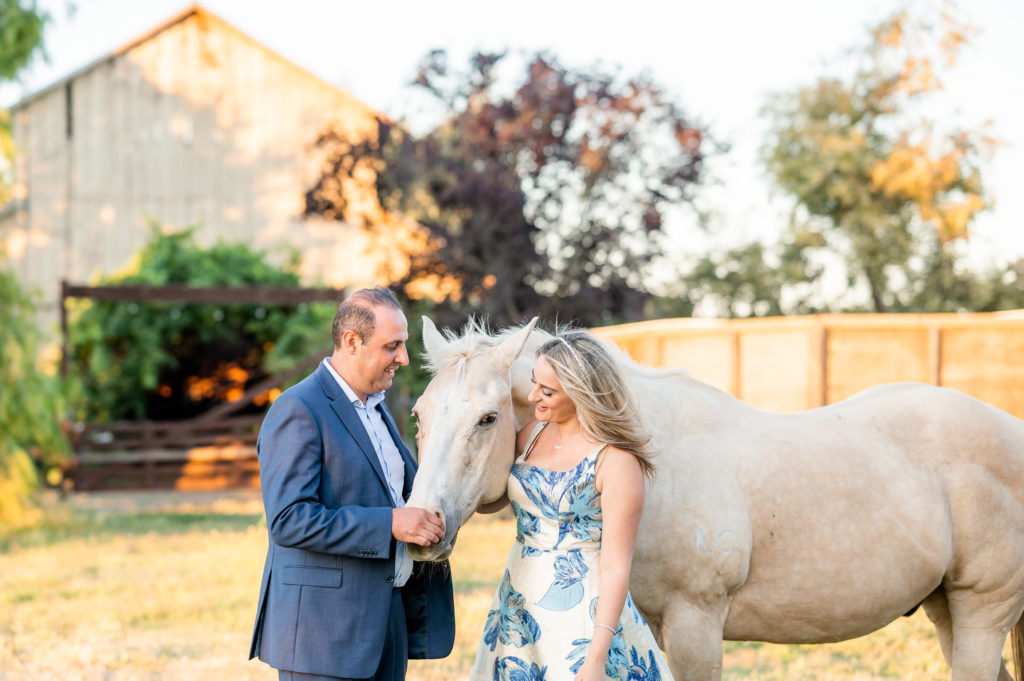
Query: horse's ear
{"type": "Point", "coordinates": [433, 341]}
{"type": "Point", "coordinates": [510, 348]}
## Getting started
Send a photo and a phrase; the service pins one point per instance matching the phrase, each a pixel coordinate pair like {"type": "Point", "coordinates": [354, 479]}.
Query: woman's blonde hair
{"type": "Point", "coordinates": [605, 405]}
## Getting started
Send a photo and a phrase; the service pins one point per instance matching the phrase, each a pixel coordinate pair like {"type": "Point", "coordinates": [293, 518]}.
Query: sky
{"type": "Point", "coordinates": [720, 59]}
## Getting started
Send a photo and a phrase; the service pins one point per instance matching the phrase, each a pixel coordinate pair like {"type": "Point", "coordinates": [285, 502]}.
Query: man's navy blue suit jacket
{"type": "Point", "coordinates": [330, 568]}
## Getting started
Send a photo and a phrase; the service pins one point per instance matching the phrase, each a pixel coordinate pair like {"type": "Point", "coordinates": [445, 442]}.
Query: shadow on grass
{"type": "Point", "coordinates": [92, 525]}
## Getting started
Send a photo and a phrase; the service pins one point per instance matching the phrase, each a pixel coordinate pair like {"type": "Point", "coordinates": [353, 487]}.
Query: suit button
{"type": "Point", "coordinates": [389, 579]}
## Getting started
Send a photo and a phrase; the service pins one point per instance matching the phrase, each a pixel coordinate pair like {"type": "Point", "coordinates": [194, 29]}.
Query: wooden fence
{"type": "Point", "coordinates": [788, 364]}
{"type": "Point", "coordinates": [780, 364]}
{"type": "Point", "coordinates": [214, 450]}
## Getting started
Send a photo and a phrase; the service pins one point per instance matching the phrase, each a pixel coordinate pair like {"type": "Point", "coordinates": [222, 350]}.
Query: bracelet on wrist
{"type": "Point", "coordinates": [605, 626]}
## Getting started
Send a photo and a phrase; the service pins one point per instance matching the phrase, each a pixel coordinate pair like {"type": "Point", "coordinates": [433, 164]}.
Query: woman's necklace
{"type": "Point", "coordinates": [558, 433]}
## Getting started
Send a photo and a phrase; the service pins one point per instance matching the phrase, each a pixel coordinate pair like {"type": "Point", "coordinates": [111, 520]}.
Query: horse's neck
{"type": "Point", "coordinates": [674, 396]}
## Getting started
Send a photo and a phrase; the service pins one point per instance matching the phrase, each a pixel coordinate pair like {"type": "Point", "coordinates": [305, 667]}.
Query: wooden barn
{"type": "Point", "coordinates": [192, 123]}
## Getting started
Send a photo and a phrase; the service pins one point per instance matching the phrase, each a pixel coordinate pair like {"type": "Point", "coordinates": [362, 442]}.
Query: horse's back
{"type": "Point", "coordinates": [936, 425]}
{"type": "Point", "coordinates": [856, 511]}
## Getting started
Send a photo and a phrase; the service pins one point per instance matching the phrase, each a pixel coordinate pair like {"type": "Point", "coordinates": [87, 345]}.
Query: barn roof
{"type": "Point", "coordinates": [192, 10]}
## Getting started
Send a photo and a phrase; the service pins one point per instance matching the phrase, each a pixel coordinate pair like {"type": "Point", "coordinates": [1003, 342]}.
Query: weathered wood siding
{"type": "Point", "coordinates": [195, 123]}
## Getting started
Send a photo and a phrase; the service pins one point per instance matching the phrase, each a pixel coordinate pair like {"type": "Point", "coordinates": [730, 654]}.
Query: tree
{"type": "Point", "coordinates": [751, 280]}
{"type": "Point", "coordinates": [170, 361]}
{"type": "Point", "coordinates": [31, 440]}
{"type": "Point", "coordinates": [873, 177]}
{"type": "Point", "coordinates": [21, 38]}
{"type": "Point", "coordinates": [947, 287]}
{"type": "Point", "coordinates": [545, 198]}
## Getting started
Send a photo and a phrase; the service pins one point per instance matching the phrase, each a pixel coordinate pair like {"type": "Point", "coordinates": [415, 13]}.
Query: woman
{"type": "Point", "coordinates": [563, 610]}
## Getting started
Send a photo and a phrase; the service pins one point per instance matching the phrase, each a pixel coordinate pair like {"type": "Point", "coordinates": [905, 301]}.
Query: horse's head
{"type": "Point", "coordinates": [467, 420]}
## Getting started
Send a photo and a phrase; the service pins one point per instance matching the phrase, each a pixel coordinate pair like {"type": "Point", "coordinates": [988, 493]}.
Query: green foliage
{"type": "Point", "coordinates": [950, 288]}
{"type": "Point", "coordinates": [167, 360]}
{"type": "Point", "coordinates": [868, 171]}
{"type": "Point", "coordinates": [21, 35]}
{"type": "Point", "coordinates": [29, 431]}
{"type": "Point", "coordinates": [21, 38]}
{"type": "Point", "coordinates": [31, 440]}
{"type": "Point", "coordinates": [747, 281]}
{"type": "Point", "coordinates": [543, 195]}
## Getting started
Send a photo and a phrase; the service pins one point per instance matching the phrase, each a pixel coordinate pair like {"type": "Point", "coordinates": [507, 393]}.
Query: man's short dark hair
{"type": "Point", "coordinates": [355, 313]}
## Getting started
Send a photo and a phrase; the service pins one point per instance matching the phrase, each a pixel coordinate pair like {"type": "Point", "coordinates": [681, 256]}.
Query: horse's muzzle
{"type": "Point", "coordinates": [435, 552]}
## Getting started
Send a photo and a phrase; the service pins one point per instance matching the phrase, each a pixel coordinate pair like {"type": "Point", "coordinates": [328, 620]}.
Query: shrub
{"type": "Point", "coordinates": [31, 439]}
{"type": "Point", "coordinates": [165, 360]}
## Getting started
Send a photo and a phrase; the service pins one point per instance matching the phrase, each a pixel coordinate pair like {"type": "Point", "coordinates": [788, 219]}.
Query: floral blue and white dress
{"type": "Point", "coordinates": [542, 618]}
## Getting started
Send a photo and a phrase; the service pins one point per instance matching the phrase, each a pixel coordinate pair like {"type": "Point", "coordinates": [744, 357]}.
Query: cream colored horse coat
{"type": "Point", "coordinates": [799, 528]}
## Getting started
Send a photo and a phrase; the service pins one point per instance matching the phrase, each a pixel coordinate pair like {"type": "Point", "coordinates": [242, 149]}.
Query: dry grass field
{"type": "Point", "coordinates": [137, 591]}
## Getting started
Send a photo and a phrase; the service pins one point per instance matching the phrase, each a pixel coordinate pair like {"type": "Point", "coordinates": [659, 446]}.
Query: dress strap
{"type": "Point", "coordinates": [598, 455]}
{"type": "Point", "coordinates": [533, 440]}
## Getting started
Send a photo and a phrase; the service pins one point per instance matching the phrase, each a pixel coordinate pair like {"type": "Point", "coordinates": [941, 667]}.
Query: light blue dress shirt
{"type": "Point", "coordinates": [388, 455]}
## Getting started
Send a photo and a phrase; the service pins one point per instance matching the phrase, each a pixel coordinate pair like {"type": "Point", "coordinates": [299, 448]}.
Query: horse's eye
{"type": "Point", "coordinates": [488, 419]}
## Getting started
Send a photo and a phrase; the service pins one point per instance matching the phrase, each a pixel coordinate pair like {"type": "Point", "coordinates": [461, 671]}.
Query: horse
{"type": "Point", "coordinates": [811, 527]}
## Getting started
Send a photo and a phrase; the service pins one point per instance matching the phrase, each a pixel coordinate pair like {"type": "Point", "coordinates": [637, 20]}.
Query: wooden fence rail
{"type": "Point", "coordinates": [123, 435]}
{"type": "Point", "coordinates": [779, 364]}
{"type": "Point", "coordinates": [789, 364]}
{"type": "Point", "coordinates": [213, 450]}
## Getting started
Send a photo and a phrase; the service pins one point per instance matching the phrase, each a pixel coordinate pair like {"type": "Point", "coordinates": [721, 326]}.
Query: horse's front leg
{"type": "Point", "coordinates": [692, 637]}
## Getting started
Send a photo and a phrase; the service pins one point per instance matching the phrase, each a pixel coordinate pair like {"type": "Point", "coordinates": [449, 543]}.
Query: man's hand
{"type": "Point", "coordinates": [417, 526]}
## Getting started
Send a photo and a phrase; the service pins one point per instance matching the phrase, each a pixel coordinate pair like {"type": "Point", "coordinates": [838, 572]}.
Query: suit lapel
{"type": "Point", "coordinates": [410, 463]}
{"type": "Point", "coordinates": [347, 413]}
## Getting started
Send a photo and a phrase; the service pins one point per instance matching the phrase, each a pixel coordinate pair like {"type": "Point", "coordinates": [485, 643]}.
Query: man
{"type": "Point", "coordinates": [340, 597]}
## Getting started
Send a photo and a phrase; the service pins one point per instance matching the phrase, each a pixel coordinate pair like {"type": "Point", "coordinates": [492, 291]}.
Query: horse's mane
{"type": "Point", "coordinates": [474, 339]}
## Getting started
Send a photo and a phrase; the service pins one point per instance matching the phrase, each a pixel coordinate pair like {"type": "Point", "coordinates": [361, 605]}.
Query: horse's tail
{"type": "Point", "coordinates": [1017, 645]}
